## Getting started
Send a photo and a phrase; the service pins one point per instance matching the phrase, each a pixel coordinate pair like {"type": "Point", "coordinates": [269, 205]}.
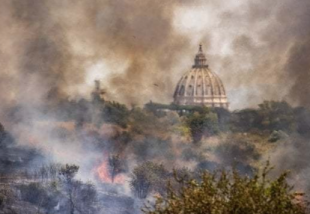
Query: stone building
{"type": "Point", "coordinates": [200, 86]}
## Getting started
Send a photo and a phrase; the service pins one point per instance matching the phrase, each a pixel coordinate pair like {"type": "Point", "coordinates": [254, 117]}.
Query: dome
{"type": "Point", "coordinates": [200, 86]}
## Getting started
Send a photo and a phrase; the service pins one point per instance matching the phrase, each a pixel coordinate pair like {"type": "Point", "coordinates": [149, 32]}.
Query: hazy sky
{"type": "Point", "coordinates": [50, 49]}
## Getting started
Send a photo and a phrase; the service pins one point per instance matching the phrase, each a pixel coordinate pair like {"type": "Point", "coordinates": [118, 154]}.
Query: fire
{"type": "Point", "coordinates": [105, 176]}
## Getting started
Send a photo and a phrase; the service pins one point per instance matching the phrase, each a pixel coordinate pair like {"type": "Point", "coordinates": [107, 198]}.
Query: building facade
{"type": "Point", "coordinates": [200, 86]}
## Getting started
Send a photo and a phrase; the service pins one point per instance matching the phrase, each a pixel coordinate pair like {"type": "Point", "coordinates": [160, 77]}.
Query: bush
{"type": "Point", "coordinates": [277, 116]}
{"type": "Point", "coordinates": [116, 113]}
{"type": "Point", "coordinates": [236, 150]}
{"type": "Point", "coordinates": [148, 177]}
{"type": "Point", "coordinates": [229, 193]}
{"type": "Point", "coordinates": [36, 194]}
{"type": "Point", "coordinates": [201, 124]}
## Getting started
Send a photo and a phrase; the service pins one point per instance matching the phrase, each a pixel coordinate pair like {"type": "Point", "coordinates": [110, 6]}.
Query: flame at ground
{"type": "Point", "coordinates": [105, 176]}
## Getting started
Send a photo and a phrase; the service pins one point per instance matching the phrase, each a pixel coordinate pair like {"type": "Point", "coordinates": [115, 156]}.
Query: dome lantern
{"type": "Point", "coordinates": [200, 59]}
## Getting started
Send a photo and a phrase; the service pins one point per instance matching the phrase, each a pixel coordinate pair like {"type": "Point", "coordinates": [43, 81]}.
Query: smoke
{"type": "Point", "coordinates": [292, 154]}
{"type": "Point", "coordinates": [48, 48]}
{"type": "Point", "coordinates": [53, 50]}
{"type": "Point", "coordinates": [254, 46]}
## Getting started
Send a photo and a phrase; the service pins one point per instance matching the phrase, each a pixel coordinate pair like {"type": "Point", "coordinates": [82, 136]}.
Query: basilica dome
{"type": "Point", "coordinates": [200, 86]}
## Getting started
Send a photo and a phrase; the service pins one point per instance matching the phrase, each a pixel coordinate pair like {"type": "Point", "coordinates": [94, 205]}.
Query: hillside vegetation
{"type": "Point", "coordinates": [153, 144]}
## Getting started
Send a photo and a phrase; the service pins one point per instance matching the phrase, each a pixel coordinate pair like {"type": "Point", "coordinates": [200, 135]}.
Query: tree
{"type": "Point", "coordinates": [224, 118]}
{"type": "Point", "coordinates": [85, 198]}
{"type": "Point", "coordinates": [147, 177]}
{"type": "Point", "coordinates": [245, 120]}
{"type": "Point", "coordinates": [116, 113]}
{"type": "Point", "coordinates": [67, 174]}
{"type": "Point", "coordinates": [116, 166]}
{"type": "Point", "coordinates": [229, 193]}
{"type": "Point", "coordinates": [200, 124]}
{"type": "Point", "coordinates": [277, 116]}
{"type": "Point", "coordinates": [39, 195]}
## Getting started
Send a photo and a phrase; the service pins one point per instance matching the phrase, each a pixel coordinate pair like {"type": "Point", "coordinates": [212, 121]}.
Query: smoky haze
{"type": "Point", "coordinates": [54, 50]}
{"type": "Point", "coordinates": [256, 47]}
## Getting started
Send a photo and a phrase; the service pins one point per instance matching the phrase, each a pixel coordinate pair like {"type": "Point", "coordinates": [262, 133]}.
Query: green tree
{"type": "Point", "coordinates": [229, 193]}
{"type": "Point", "coordinates": [277, 116]}
{"type": "Point", "coordinates": [148, 177]}
{"type": "Point", "coordinates": [116, 113]}
{"type": "Point", "coordinates": [200, 124]}
{"type": "Point", "coordinates": [245, 120]}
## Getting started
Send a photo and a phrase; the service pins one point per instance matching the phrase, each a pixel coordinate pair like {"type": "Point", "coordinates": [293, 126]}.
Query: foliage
{"type": "Point", "coordinates": [49, 172]}
{"type": "Point", "coordinates": [143, 122]}
{"type": "Point", "coordinates": [245, 120]}
{"type": "Point", "coordinates": [229, 193]}
{"type": "Point", "coordinates": [270, 116]}
{"type": "Point", "coordinates": [174, 107]}
{"type": "Point", "coordinates": [116, 113]}
{"type": "Point", "coordinates": [236, 149]}
{"type": "Point", "coordinates": [224, 118]}
{"type": "Point", "coordinates": [36, 194]}
{"type": "Point", "coordinates": [84, 197]}
{"type": "Point", "coordinates": [200, 124]}
{"type": "Point", "coordinates": [153, 147]}
{"type": "Point", "coordinates": [148, 177]}
{"type": "Point", "coordinates": [277, 116]}
{"type": "Point", "coordinates": [68, 172]}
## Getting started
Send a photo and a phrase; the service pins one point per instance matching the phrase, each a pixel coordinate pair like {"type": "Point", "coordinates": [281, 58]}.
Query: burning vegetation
{"type": "Point", "coordinates": [129, 155]}
{"type": "Point", "coordinates": [64, 149]}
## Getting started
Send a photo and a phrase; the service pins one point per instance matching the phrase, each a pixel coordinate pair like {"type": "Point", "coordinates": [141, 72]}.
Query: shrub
{"type": "Point", "coordinates": [229, 193]}
{"type": "Point", "coordinates": [148, 177]}
{"type": "Point", "coordinates": [201, 124]}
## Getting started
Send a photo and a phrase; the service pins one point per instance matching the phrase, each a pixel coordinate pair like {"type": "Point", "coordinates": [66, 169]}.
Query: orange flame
{"type": "Point", "coordinates": [104, 175]}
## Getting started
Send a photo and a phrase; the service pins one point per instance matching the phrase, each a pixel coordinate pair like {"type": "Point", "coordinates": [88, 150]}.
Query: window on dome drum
{"type": "Point", "coordinates": [192, 77]}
